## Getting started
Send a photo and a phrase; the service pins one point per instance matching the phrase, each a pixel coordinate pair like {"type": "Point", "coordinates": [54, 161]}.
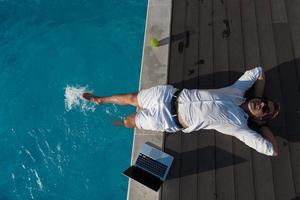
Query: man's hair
{"type": "Point", "coordinates": [272, 115]}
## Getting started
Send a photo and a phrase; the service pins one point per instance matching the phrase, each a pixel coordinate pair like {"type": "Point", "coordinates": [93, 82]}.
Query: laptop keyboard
{"type": "Point", "coordinates": [151, 165]}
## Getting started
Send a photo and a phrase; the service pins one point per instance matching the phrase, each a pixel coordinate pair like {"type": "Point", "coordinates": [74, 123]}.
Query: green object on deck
{"type": "Point", "coordinates": [154, 42]}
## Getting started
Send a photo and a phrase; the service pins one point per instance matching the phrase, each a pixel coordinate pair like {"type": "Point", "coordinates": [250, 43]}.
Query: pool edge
{"type": "Point", "coordinates": [154, 71]}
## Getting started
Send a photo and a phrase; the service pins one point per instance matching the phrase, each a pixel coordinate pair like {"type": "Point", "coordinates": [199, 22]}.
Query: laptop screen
{"type": "Point", "coordinates": [143, 177]}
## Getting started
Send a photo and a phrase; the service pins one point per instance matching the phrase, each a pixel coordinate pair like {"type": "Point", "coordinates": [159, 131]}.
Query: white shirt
{"type": "Point", "coordinates": [219, 109]}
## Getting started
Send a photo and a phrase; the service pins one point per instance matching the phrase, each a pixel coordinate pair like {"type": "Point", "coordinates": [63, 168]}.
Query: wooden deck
{"type": "Point", "coordinates": [226, 37]}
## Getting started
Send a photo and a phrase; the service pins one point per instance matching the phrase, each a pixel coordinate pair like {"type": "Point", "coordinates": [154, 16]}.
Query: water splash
{"type": "Point", "coordinates": [38, 179]}
{"type": "Point", "coordinates": [74, 99]}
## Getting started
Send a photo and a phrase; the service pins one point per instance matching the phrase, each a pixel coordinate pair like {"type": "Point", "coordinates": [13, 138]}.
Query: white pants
{"type": "Point", "coordinates": [155, 113]}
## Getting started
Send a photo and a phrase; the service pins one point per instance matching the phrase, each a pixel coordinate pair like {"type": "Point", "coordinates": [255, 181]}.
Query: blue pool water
{"type": "Point", "coordinates": [48, 152]}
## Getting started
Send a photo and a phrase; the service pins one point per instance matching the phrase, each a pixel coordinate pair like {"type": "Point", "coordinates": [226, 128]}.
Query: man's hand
{"type": "Point", "coordinates": [262, 76]}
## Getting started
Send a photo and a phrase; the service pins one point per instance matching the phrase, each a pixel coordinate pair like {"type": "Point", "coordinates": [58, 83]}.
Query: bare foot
{"type": "Point", "coordinates": [91, 97]}
{"type": "Point", "coordinates": [117, 123]}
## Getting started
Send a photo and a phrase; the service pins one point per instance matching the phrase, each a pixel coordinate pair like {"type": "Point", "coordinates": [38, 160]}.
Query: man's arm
{"type": "Point", "coordinates": [250, 137]}
{"type": "Point", "coordinates": [267, 133]}
{"type": "Point", "coordinates": [259, 85]}
{"type": "Point", "coordinates": [249, 78]}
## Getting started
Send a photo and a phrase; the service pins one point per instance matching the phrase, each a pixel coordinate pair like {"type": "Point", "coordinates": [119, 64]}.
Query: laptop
{"type": "Point", "coordinates": [151, 167]}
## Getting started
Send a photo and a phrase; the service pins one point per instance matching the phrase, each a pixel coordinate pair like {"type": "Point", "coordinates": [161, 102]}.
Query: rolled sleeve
{"type": "Point", "coordinates": [248, 79]}
{"type": "Point", "coordinates": [250, 138]}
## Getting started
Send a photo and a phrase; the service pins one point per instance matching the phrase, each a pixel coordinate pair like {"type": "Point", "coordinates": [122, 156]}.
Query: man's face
{"type": "Point", "coordinates": [259, 107]}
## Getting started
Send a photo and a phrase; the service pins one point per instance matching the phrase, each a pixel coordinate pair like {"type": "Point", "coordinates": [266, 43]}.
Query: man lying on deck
{"type": "Point", "coordinates": [165, 108]}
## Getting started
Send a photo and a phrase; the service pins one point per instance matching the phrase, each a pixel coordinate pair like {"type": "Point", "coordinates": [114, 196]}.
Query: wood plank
{"type": "Point", "coordinates": [188, 180]}
{"type": "Point", "coordinates": [283, 177]}
{"type": "Point", "coordinates": [224, 175]}
{"type": "Point", "coordinates": [289, 87]}
{"type": "Point", "coordinates": [238, 58]}
{"type": "Point", "coordinates": [293, 13]}
{"type": "Point", "coordinates": [171, 187]}
{"type": "Point", "coordinates": [172, 142]}
{"type": "Point", "coordinates": [278, 7]}
{"type": "Point", "coordinates": [294, 25]}
{"type": "Point", "coordinates": [281, 165]}
{"type": "Point", "coordinates": [206, 138]}
{"type": "Point", "coordinates": [262, 166]}
{"type": "Point", "coordinates": [175, 76]}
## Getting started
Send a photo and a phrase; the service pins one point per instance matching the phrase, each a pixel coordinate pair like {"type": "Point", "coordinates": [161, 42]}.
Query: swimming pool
{"type": "Point", "coordinates": [48, 152]}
